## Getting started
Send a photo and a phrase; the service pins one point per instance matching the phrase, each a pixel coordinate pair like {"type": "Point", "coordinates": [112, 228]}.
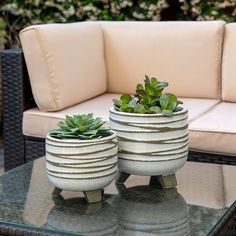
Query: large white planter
{"type": "Point", "coordinates": [151, 144]}
{"type": "Point", "coordinates": [82, 165]}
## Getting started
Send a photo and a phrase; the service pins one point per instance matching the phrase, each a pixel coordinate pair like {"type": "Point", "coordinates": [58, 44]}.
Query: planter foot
{"type": "Point", "coordinates": [56, 191]}
{"type": "Point", "coordinates": [168, 181]}
{"type": "Point", "coordinates": [121, 177]}
{"type": "Point", "coordinates": [94, 196]}
{"type": "Point", "coordinates": [154, 181]}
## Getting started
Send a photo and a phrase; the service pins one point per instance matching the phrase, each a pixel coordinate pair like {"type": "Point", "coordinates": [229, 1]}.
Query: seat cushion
{"type": "Point", "coordinates": [37, 123]}
{"type": "Point", "coordinates": [229, 64]}
{"type": "Point", "coordinates": [65, 63]}
{"type": "Point", "coordinates": [215, 131]}
{"type": "Point", "coordinates": [186, 54]}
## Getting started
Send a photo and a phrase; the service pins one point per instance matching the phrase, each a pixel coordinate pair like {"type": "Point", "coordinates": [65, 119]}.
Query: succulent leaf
{"type": "Point", "coordinates": [155, 109]}
{"type": "Point", "coordinates": [126, 98]}
{"type": "Point", "coordinates": [80, 127]}
{"type": "Point", "coordinates": [149, 99]}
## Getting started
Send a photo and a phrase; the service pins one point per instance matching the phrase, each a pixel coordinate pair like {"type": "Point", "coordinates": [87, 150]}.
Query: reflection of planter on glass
{"type": "Point", "coordinates": [151, 144]}
{"type": "Point", "coordinates": [151, 211]}
{"type": "Point", "coordinates": [75, 216]}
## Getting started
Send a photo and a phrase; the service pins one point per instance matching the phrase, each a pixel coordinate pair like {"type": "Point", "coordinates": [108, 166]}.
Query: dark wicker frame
{"type": "Point", "coordinates": [17, 97]}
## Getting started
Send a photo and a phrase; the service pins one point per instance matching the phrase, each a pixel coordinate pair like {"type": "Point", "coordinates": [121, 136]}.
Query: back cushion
{"type": "Point", "coordinates": [65, 63]}
{"type": "Point", "coordinates": [186, 54]}
{"type": "Point", "coordinates": [229, 64]}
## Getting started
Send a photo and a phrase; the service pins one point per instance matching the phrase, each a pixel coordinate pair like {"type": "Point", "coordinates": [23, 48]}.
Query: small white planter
{"type": "Point", "coordinates": [150, 144]}
{"type": "Point", "coordinates": [82, 165]}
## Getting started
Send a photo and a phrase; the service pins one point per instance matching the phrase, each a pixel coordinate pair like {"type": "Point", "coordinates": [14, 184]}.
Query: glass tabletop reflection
{"type": "Point", "coordinates": [203, 195]}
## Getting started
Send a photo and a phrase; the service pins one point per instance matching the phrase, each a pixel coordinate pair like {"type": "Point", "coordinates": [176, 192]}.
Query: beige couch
{"type": "Point", "coordinates": [80, 67]}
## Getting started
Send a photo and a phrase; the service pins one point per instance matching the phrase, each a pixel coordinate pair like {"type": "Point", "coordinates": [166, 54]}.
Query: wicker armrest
{"type": "Point", "coordinates": [17, 97]}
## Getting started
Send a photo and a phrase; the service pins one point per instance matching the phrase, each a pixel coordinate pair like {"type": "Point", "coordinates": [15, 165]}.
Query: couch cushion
{"type": "Point", "coordinates": [229, 64]}
{"type": "Point", "coordinates": [37, 123]}
{"type": "Point", "coordinates": [186, 54]}
{"type": "Point", "coordinates": [65, 63]}
{"type": "Point", "coordinates": [197, 106]}
{"type": "Point", "coordinates": [215, 131]}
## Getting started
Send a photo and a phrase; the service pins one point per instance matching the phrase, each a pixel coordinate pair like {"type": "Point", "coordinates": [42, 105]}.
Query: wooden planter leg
{"type": "Point", "coordinates": [121, 177]}
{"type": "Point", "coordinates": [154, 181]}
{"type": "Point", "coordinates": [94, 196]}
{"type": "Point", "coordinates": [168, 181]}
{"type": "Point", "coordinates": [56, 191]}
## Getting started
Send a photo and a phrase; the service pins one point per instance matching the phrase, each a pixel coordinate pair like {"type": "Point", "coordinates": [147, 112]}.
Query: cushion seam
{"type": "Point", "coordinates": [40, 115]}
{"type": "Point", "coordinates": [220, 46]}
{"type": "Point", "coordinates": [203, 113]}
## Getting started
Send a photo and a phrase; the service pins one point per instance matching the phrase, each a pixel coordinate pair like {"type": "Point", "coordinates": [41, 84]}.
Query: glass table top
{"type": "Point", "coordinates": [203, 195]}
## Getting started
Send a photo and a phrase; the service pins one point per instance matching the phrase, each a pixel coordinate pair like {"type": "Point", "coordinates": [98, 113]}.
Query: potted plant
{"type": "Point", "coordinates": [152, 129]}
{"type": "Point", "coordinates": [81, 155]}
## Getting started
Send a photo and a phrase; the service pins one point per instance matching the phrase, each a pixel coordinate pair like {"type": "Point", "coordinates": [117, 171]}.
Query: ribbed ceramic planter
{"type": "Point", "coordinates": [82, 165]}
{"type": "Point", "coordinates": [151, 144]}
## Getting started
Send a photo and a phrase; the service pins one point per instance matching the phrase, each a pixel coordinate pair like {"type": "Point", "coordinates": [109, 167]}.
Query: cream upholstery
{"type": "Point", "coordinates": [37, 123]}
{"type": "Point", "coordinates": [197, 106]}
{"type": "Point", "coordinates": [65, 63]}
{"type": "Point", "coordinates": [65, 71]}
{"type": "Point", "coordinates": [215, 131]}
{"type": "Point", "coordinates": [186, 54]}
{"type": "Point", "coordinates": [229, 64]}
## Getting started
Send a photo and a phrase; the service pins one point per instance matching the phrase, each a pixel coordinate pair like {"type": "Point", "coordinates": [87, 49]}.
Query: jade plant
{"type": "Point", "coordinates": [80, 127]}
{"type": "Point", "coordinates": [149, 99]}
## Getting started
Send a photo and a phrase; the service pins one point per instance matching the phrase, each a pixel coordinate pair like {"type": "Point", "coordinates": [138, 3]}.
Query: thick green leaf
{"type": "Point", "coordinates": [171, 105]}
{"type": "Point", "coordinates": [150, 90]}
{"type": "Point", "coordinates": [147, 80]}
{"type": "Point", "coordinates": [164, 101]}
{"type": "Point", "coordinates": [90, 132]}
{"type": "Point", "coordinates": [167, 112]}
{"type": "Point", "coordinates": [154, 81]}
{"type": "Point", "coordinates": [155, 109]}
{"type": "Point", "coordinates": [141, 92]}
{"type": "Point", "coordinates": [128, 109]}
{"type": "Point", "coordinates": [75, 129]}
{"type": "Point", "coordinates": [139, 108]}
{"type": "Point", "coordinates": [162, 85]}
{"type": "Point", "coordinates": [139, 87]}
{"type": "Point", "coordinates": [171, 97]}
{"type": "Point", "coordinates": [116, 102]}
{"type": "Point", "coordinates": [131, 104]}
{"type": "Point", "coordinates": [125, 98]}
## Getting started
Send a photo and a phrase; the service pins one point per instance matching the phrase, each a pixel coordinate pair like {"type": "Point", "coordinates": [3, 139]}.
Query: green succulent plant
{"type": "Point", "coordinates": [149, 99]}
{"type": "Point", "coordinates": [80, 127]}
